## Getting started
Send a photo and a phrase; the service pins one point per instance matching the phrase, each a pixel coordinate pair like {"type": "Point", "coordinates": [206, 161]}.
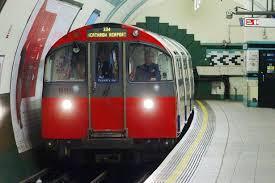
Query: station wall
{"type": "Point", "coordinates": [13, 18]}
{"type": "Point", "coordinates": [208, 23]}
{"type": "Point", "coordinates": [227, 60]}
{"type": "Point", "coordinates": [258, 34]}
{"type": "Point", "coordinates": [12, 26]}
{"type": "Point", "coordinates": [209, 26]}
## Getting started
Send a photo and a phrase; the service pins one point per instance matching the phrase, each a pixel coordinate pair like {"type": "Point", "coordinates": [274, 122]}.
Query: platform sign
{"type": "Point", "coordinates": [259, 22]}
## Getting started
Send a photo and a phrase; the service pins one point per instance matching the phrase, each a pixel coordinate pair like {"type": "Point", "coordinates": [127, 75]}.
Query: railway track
{"type": "Point", "coordinates": [100, 178]}
{"type": "Point", "coordinates": [119, 173]}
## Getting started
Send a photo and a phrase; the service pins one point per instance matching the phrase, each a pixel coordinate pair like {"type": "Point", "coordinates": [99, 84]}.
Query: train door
{"type": "Point", "coordinates": [189, 76]}
{"type": "Point", "coordinates": [180, 83]}
{"type": "Point", "coordinates": [267, 78]}
{"type": "Point", "coordinates": [182, 87]}
{"type": "Point", "coordinates": [106, 85]}
{"type": "Point", "coordinates": [191, 80]}
{"type": "Point", "coordinates": [183, 79]}
{"type": "Point", "coordinates": [187, 85]}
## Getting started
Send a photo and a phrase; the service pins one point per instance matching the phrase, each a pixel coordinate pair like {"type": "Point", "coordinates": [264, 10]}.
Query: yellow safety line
{"type": "Point", "coordinates": [187, 156]}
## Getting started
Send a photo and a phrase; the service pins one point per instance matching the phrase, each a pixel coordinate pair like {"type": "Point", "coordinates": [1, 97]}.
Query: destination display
{"type": "Point", "coordinates": [107, 32]}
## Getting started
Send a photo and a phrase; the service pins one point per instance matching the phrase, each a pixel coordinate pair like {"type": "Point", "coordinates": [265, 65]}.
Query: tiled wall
{"type": "Point", "coordinates": [225, 57]}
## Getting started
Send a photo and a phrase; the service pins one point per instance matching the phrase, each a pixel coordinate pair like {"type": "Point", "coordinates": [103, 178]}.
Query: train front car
{"type": "Point", "coordinates": [110, 86]}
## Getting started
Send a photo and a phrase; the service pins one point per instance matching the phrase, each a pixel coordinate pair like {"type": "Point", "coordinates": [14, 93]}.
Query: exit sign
{"type": "Point", "coordinates": [258, 22]}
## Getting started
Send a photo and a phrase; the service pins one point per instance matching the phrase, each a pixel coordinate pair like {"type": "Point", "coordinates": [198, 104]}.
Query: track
{"type": "Point", "coordinates": [115, 172]}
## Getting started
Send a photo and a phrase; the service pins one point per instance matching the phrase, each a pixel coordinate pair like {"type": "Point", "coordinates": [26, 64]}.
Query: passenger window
{"type": "Point", "coordinates": [66, 64]}
{"type": "Point", "coordinates": [184, 61]}
{"type": "Point", "coordinates": [107, 56]}
{"type": "Point", "coordinates": [147, 63]}
{"type": "Point", "coordinates": [179, 68]}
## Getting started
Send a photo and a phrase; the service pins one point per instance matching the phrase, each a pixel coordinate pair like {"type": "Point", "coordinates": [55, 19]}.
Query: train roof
{"type": "Point", "coordinates": [110, 32]}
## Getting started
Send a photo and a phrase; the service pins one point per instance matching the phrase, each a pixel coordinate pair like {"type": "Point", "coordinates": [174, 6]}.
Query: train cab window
{"type": "Point", "coordinates": [107, 56]}
{"type": "Point", "coordinates": [66, 64]}
{"type": "Point", "coordinates": [147, 63]}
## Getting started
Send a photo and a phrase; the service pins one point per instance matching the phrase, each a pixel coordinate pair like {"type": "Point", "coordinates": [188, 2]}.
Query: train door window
{"type": "Point", "coordinates": [181, 77]}
{"type": "Point", "coordinates": [184, 65]}
{"type": "Point", "coordinates": [66, 64]}
{"type": "Point", "coordinates": [179, 68]}
{"type": "Point", "coordinates": [184, 61]}
{"type": "Point", "coordinates": [146, 63]}
{"type": "Point", "coordinates": [107, 57]}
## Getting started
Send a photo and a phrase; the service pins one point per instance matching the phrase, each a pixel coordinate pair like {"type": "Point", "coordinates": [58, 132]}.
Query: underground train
{"type": "Point", "coordinates": [115, 86]}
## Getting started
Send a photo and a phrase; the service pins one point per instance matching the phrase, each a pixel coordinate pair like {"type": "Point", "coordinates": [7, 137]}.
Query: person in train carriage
{"type": "Point", "coordinates": [149, 71]}
{"type": "Point", "coordinates": [104, 68]}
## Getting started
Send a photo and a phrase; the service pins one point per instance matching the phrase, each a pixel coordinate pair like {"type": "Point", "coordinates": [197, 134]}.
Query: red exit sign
{"type": "Point", "coordinates": [251, 22]}
{"type": "Point", "coordinates": [259, 22]}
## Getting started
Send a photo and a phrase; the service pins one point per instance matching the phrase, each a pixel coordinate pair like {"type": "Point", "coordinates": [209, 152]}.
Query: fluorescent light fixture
{"type": "Point", "coordinates": [93, 17]}
{"type": "Point", "coordinates": [197, 4]}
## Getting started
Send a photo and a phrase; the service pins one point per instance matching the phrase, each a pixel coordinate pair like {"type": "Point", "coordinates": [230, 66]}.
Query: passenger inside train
{"type": "Point", "coordinates": [149, 71]}
{"type": "Point", "coordinates": [106, 62]}
{"type": "Point", "coordinates": [147, 63]}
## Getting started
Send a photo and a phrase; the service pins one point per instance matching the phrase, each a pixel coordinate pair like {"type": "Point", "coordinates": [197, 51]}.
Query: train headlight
{"type": "Point", "coordinates": [148, 104]}
{"type": "Point", "coordinates": [67, 104]}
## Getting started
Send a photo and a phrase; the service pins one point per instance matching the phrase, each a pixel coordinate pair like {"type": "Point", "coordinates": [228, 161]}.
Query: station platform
{"type": "Point", "coordinates": [226, 142]}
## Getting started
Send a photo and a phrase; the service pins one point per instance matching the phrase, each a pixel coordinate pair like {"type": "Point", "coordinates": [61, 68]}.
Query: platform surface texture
{"type": "Point", "coordinates": [227, 143]}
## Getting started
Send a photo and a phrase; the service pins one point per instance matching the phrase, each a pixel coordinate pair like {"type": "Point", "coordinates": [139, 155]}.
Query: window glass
{"type": "Point", "coordinates": [66, 64]}
{"type": "Point", "coordinates": [179, 68]}
{"type": "Point", "coordinates": [184, 61]}
{"type": "Point", "coordinates": [107, 57]}
{"type": "Point", "coordinates": [147, 63]}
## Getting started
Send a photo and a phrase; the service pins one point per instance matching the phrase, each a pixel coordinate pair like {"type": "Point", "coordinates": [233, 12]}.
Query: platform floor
{"type": "Point", "coordinates": [240, 147]}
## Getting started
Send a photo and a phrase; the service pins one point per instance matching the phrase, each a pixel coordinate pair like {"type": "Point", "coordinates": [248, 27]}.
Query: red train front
{"type": "Point", "coordinates": [114, 86]}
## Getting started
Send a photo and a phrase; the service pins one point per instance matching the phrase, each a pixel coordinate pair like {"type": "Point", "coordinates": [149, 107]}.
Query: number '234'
{"type": "Point", "coordinates": [106, 29]}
